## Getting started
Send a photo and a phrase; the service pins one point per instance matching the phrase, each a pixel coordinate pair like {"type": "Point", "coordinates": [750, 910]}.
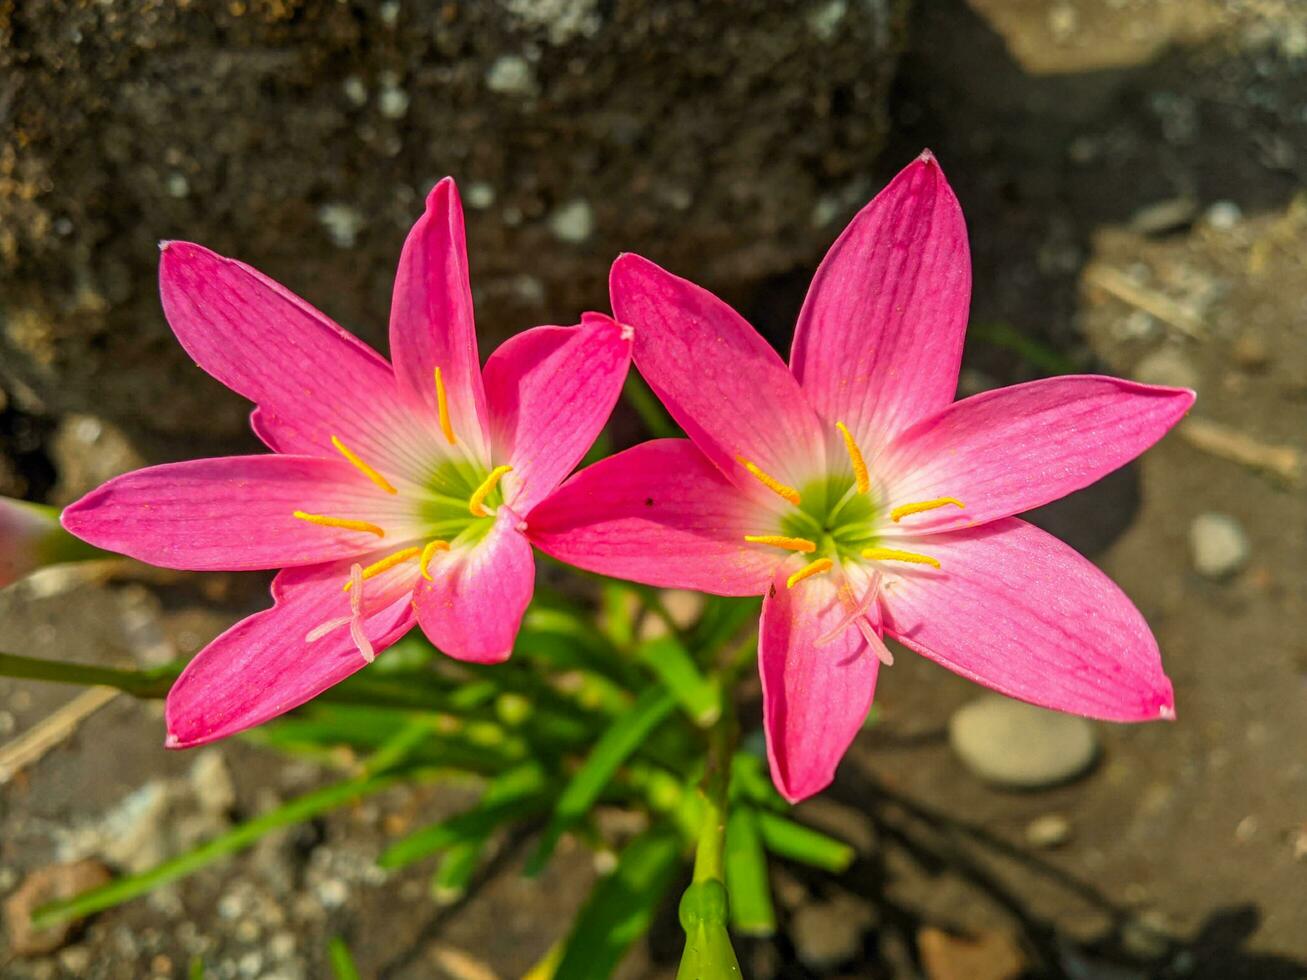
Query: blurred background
{"type": "Point", "coordinates": [1133, 174]}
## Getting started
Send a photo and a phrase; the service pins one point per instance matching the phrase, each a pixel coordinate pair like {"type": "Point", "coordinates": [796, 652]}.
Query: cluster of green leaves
{"type": "Point", "coordinates": [593, 710]}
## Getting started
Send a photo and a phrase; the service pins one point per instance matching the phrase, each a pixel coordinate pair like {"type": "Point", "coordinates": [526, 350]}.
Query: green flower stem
{"type": "Point", "coordinates": [140, 683]}
{"type": "Point", "coordinates": [708, 952]}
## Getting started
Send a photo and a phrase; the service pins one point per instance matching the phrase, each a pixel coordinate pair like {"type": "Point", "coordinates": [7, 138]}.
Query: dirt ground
{"type": "Point", "coordinates": [1135, 180]}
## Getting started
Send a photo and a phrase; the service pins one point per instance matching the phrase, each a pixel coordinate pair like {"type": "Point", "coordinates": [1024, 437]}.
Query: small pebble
{"type": "Point", "coordinates": [827, 934]}
{"type": "Point", "coordinates": [1145, 937]}
{"type": "Point", "coordinates": [573, 222]}
{"type": "Point", "coordinates": [511, 74]}
{"type": "Point", "coordinates": [1167, 366]}
{"type": "Point", "coordinates": [1250, 352]}
{"type": "Point", "coordinates": [1014, 744]}
{"type": "Point", "coordinates": [480, 195]}
{"type": "Point", "coordinates": [1224, 215]}
{"type": "Point", "coordinates": [1218, 545]}
{"type": "Point", "coordinates": [1161, 217]}
{"type": "Point", "coordinates": [1049, 831]}
{"type": "Point", "coordinates": [990, 955]}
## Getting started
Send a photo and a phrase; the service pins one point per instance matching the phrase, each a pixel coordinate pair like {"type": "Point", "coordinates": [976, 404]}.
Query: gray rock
{"type": "Point", "coordinates": [357, 109]}
{"type": "Point", "coordinates": [1018, 745]}
{"type": "Point", "coordinates": [828, 934]}
{"type": "Point", "coordinates": [1218, 545]}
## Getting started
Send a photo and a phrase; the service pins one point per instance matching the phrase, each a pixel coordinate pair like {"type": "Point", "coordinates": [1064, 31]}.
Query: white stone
{"type": "Point", "coordinates": [573, 222]}
{"type": "Point", "coordinates": [511, 74]}
{"type": "Point", "coordinates": [1011, 743]}
{"type": "Point", "coordinates": [1218, 545]}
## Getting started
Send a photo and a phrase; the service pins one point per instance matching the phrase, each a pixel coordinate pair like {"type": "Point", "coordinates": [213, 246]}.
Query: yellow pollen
{"type": "Point", "coordinates": [770, 482]}
{"type": "Point", "coordinates": [855, 457]}
{"type": "Point", "coordinates": [898, 513]}
{"type": "Point", "coordinates": [341, 522]}
{"type": "Point", "coordinates": [780, 541]}
{"type": "Point", "coordinates": [363, 467]}
{"type": "Point", "coordinates": [893, 554]}
{"type": "Point", "coordinates": [807, 571]}
{"type": "Point", "coordinates": [431, 548]}
{"type": "Point", "coordinates": [442, 406]}
{"type": "Point", "coordinates": [390, 561]}
{"type": "Point", "coordinates": [479, 495]}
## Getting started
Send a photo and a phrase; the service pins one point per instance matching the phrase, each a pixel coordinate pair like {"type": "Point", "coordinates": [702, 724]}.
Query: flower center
{"type": "Point", "coordinates": [837, 518]}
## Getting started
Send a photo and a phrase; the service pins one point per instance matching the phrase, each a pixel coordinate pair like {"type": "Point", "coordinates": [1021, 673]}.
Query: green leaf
{"type": "Point", "coordinates": [622, 738]}
{"type": "Point", "coordinates": [751, 781]}
{"type": "Point", "coordinates": [752, 913]}
{"type": "Point", "coordinates": [457, 866]}
{"type": "Point", "coordinates": [517, 793]}
{"type": "Point", "coordinates": [723, 618]}
{"type": "Point", "coordinates": [342, 963]}
{"type": "Point", "coordinates": [672, 664]}
{"type": "Point", "coordinates": [649, 408]}
{"type": "Point", "coordinates": [621, 907]}
{"type": "Point", "coordinates": [803, 844]}
{"type": "Point", "coordinates": [618, 604]}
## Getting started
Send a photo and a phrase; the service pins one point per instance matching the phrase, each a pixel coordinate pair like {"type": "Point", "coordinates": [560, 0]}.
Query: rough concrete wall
{"type": "Point", "coordinates": [725, 139]}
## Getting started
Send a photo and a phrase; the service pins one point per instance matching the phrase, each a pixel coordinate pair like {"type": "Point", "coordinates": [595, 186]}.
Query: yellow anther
{"type": "Point", "coordinates": [431, 548]}
{"type": "Point", "coordinates": [363, 467]}
{"type": "Point", "coordinates": [898, 513]}
{"type": "Point", "coordinates": [442, 406]}
{"type": "Point", "coordinates": [770, 482]}
{"type": "Point", "coordinates": [893, 554]}
{"type": "Point", "coordinates": [479, 495]}
{"type": "Point", "coordinates": [807, 571]}
{"type": "Point", "coordinates": [390, 561]}
{"type": "Point", "coordinates": [780, 541]}
{"type": "Point", "coordinates": [340, 522]}
{"type": "Point", "coordinates": [855, 457]}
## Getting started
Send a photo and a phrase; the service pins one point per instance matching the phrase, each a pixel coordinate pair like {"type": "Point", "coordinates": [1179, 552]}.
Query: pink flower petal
{"type": "Point", "coordinates": [815, 695]}
{"type": "Point", "coordinates": [264, 665]}
{"type": "Point", "coordinates": [879, 340]}
{"type": "Point", "coordinates": [310, 378]}
{"type": "Point", "coordinates": [1006, 451]}
{"type": "Point", "coordinates": [719, 379]}
{"type": "Point", "coordinates": [474, 603]}
{"type": "Point", "coordinates": [235, 513]}
{"type": "Point", "coordinates": [660, 514]}
{"type": "Point", "coordinates": [550, 390]}
{"type": "Point", "coordinates": [1017, 610]}
{"type": "Point", "coordinates": [431, 320]}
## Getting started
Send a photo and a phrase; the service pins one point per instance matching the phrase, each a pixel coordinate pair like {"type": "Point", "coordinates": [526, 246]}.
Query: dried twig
{"type": "Point", "coordinates": [1282, 462]}
{"type": "Point", "coordinates": [1116, 283]}
{"type": "Point", "coordinates": [51, 730]}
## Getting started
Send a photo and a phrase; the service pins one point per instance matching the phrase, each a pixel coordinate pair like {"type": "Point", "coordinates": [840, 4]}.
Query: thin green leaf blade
{"type": "Point", "coordinates": [517, 793]}
{"type": "Point", "coordinates": [342, 961]}
{"type": "Point", "coordinates": [669, 661]}
{"type": "Point", "coordinates": [792, 840]}
{"type": "Point", "coordinates": [617, 743]}
{"type": "Point", "coordinates": [621, 907]}
{"type": "Point", "coordinates": [751, 908]}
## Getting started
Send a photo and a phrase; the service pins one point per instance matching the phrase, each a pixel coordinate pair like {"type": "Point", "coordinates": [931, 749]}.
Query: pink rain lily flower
{"type": "Point", "coordinates": [396, 494]}
{"type": "Point", "coordinates": [854, 494]}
